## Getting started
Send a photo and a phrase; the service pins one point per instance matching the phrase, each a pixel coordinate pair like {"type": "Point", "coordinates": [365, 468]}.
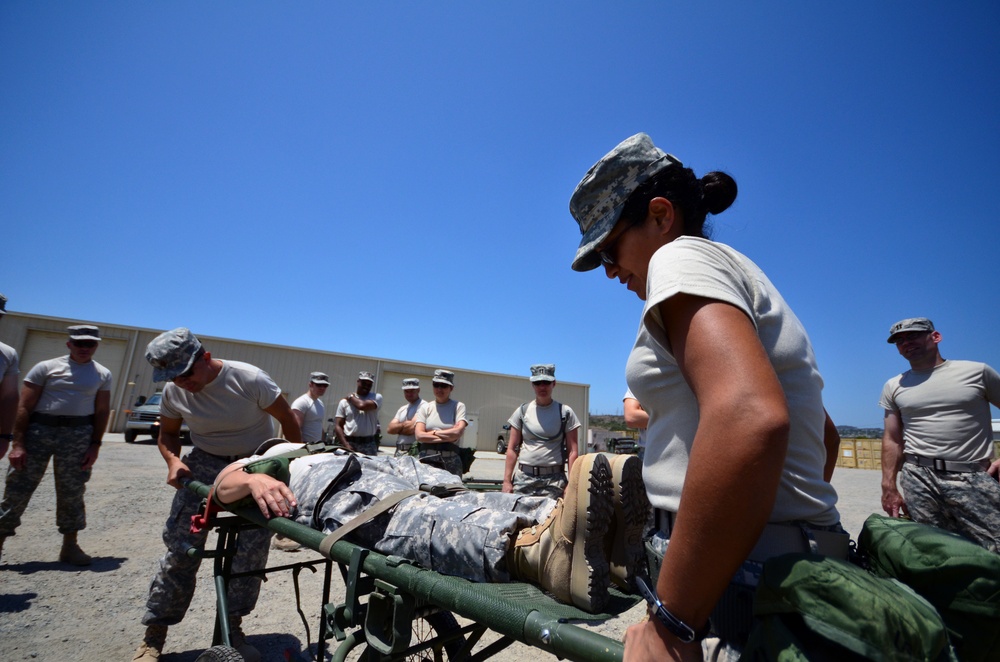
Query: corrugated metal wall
{"type": "Point", "coordinates": [490, 398]}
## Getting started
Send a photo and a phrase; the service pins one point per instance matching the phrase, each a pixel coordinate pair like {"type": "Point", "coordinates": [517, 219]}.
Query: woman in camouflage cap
{"type": "Point", "coordinates": [737, 429]}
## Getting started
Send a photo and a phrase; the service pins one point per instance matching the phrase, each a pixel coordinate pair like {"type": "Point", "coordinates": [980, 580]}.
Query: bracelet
{"type": "Point", "coordinates": [679, 628]}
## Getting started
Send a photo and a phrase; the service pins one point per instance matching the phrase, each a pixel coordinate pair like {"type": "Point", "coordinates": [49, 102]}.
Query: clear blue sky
{"type": "Point", "coordinates": [392, 178]}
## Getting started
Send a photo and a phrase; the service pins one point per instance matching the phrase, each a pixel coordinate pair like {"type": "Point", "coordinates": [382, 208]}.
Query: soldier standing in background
{"type": "Point", "coordinates": [62, 414]}
{"type": "Point", "coordinates": [357, 417]}
{"type": "Point", "coordinates": [403, 422]}
{"type": "Point", "coordinates": [309, 410]}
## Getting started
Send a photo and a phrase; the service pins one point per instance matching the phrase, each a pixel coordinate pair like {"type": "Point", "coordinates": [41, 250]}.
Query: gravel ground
{"type": "Point", "coordinates": [53, 611]}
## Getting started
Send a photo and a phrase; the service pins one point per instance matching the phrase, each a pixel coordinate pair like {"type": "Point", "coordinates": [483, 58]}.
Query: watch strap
{"type": "Point", "coordinates": [677, 627]}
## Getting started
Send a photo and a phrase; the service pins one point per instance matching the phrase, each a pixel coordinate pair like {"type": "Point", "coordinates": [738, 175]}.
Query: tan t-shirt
{"type": "Point", "coordinates": [441, 417]}
{"type": "Point", "coordinates": [946, 410]}
{"type": "Point", "coordinates": [539, 422]}
{"type": "Point", "coordinates": [68, 387]}
{"type": "Point", "coordinates": [226, 417]}
{"type": "Point", "coordinates": [708, 269]}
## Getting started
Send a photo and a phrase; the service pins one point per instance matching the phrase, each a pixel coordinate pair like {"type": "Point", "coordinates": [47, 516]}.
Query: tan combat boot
{"type": "Point", "coordinates": [71, 552]}
{"type": "Point", "coordinates": [565, 554]}
{"type": "Point", "coordinates": [152, 644]}
{"type": "Point", "coordinates": [624, 542]}
{"type": "Point", "coordinates": [239, 640]}
{"type": "Point", "coordinates": [285, 544]}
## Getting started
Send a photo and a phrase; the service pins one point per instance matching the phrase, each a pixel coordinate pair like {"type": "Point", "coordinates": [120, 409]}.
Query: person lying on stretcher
{"type": "Point", "coordinates": [572, 547]}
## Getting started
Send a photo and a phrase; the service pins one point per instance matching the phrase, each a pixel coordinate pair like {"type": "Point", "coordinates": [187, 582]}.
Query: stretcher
{"type": "Point", "coordinates": [395, 610]}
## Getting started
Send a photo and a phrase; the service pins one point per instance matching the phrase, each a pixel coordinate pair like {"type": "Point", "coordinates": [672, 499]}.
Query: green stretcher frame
{"type": "Point", "coordinates": [398, 592]}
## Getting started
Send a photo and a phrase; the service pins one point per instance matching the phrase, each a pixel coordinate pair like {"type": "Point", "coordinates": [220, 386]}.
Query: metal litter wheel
{"type": "Point", "coordinates": [220, 654]}
{"type": "Point", "coordinates": [431, 625]}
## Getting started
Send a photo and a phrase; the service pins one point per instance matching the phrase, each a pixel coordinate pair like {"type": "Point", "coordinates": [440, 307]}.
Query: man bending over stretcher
{"type": "Point", "coordinates": [571, 547]}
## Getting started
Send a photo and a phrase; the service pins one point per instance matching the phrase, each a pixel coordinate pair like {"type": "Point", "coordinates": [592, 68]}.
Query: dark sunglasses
{"type": "Point", "coordinates": [187, 373]}
{"type": "Point", "coordinates": [84, 344]}
{"type": "Point", "coordinates": [437, 385]}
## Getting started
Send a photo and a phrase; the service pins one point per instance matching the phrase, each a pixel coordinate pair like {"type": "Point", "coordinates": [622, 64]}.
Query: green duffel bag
{"type": "Point", "coordinates": [960, 578]}
{"type": "Point", "coordinates": [818, 608]}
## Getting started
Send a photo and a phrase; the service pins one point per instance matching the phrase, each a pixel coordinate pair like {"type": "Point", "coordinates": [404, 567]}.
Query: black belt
{"type": "Point", "coordinates": [227, 458]}
{"type": "Point", "coordinates": [362, 440]}
{"type": "Point", "coordinates": [404, 447]}
{"type": "Point", "coordinates": [937, 464]}
{"type": "Point", "coordinates": [61, 421]}
{"type": "Point", "coordinates": [548, 470]}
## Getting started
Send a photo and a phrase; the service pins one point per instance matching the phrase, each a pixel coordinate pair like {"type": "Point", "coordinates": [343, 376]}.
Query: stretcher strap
{"type": "Point", "coordinates": [365, 517]}
{"type": "Point", "coordinates": [441, 491]}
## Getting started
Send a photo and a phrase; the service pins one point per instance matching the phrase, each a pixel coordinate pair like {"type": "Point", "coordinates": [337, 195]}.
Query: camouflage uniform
{"type": "Point", "coordinates": [550, 485]}
{"type": "Point", "coordinates": [173, 586]}
{"type": "Point", "coordinates": [448, 460]}
{"type": "Point", "coordinates": [967, 503]}
{"type": "Point", "coordinates": [465, 535]}
{"type": "Point", "coordinates": [369, 447]}
{"type": "Point", "coordinates": [66, 446]}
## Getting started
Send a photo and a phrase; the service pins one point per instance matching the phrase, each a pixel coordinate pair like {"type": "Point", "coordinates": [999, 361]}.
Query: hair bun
{"type": "Point", "coordinates": [720, 191]}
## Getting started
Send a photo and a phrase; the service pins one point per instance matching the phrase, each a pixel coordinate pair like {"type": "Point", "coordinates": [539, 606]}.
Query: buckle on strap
{"type": "Point", "coordinates": [939, 464]}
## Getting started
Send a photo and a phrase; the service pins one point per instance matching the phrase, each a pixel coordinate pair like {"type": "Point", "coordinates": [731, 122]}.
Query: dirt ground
{"type": "Point", "coordinates": [53, 611]}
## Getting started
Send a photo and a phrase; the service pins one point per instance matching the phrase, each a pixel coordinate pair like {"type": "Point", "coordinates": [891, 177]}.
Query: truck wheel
{"type": "Point", "coordinates": [130, 436]}
{"type": "Point", "coordinates": [500, 447]}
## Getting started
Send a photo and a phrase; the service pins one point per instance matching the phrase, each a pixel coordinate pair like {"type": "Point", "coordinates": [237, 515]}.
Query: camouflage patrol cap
{"type": "Point", "coordinates": [319, 378]}
{"type": "Point", "coordinates": [411, 383]}
{"type": "Point", "coordinates": [543, 372]}
{"type": "Point", "coordinates": [443, 377]}
{"type": "Point", "coordinates": [171, 353]}
{"type": "Point", "coordinates": [600, 196]}
{"type": "Point", "coordinates": [3, 305]}
{"type": "Point", "coordinates": [365, 376]}
{"type": "Point", "coordinates": [84, 332]}
{"type": "Point", "coordinates": [919, 324]}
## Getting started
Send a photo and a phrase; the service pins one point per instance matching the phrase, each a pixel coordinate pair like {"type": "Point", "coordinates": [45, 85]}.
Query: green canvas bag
{"type": "Point", "coordinates": [960, 578]}
{"type": "Point", "coordinates": [817, 608]}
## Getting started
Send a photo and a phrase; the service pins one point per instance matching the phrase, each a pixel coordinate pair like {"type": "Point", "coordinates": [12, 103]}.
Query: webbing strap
{"type": "Point", "coordinates": [441, 491]}
{"type": "Point", "coordinates": [363, 518]}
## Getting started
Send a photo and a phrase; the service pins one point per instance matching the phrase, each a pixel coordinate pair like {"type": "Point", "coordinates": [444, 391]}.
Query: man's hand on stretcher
{"type": "Point", "coordinates": [271, 495]}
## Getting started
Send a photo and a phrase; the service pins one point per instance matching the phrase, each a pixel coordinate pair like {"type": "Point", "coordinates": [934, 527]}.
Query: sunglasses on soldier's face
{"type": "Point", "coordinates": [84, 344]}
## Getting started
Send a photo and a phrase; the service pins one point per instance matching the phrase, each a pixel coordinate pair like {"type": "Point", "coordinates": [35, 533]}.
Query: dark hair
{"type": "Point", "coordinates": [696, 198]}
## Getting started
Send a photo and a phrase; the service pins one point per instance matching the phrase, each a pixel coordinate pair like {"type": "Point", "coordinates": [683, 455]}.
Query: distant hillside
{"type": "Point", "coordinates": [851, 432]}
{"type": "Point", "coordinates": [607, 422]}
{"type": "Point", "coordinates": [613, 422]}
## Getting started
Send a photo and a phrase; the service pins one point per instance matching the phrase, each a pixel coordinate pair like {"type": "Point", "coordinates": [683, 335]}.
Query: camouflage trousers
{"type": "Point", "coordinates": [369, 447]}
{"type": "Point", "coordinates": [447, 460]}
{"type": "Point", "coordinates": [466, 535]}
{"type": "Point", "coordinates": [964, 503]}
{"type": "Point", "coordinates": [550, 485]}
{"type": "Point", "coordinates": [66, 446]}
{"type": "Point", "coordinates": [173, 586]}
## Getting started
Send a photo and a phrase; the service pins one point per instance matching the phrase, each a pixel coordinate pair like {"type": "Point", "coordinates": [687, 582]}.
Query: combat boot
{"type": "Point", "coordinates": [238, 640]}
{"type": "Point", "coordinates": [565, 554]}
{"type": "Point", "coordinates": [285, 544]}
{"type": "Point", "coordinates": [624, 542]}
{"type": "Point", "coordinates": [71, 552]}
{"type": "Point", "coordinates": [152, 644]}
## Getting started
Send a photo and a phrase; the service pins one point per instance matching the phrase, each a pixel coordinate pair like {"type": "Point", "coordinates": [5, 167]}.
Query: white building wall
{"type": "Point", "coordinates": [490, 398]}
